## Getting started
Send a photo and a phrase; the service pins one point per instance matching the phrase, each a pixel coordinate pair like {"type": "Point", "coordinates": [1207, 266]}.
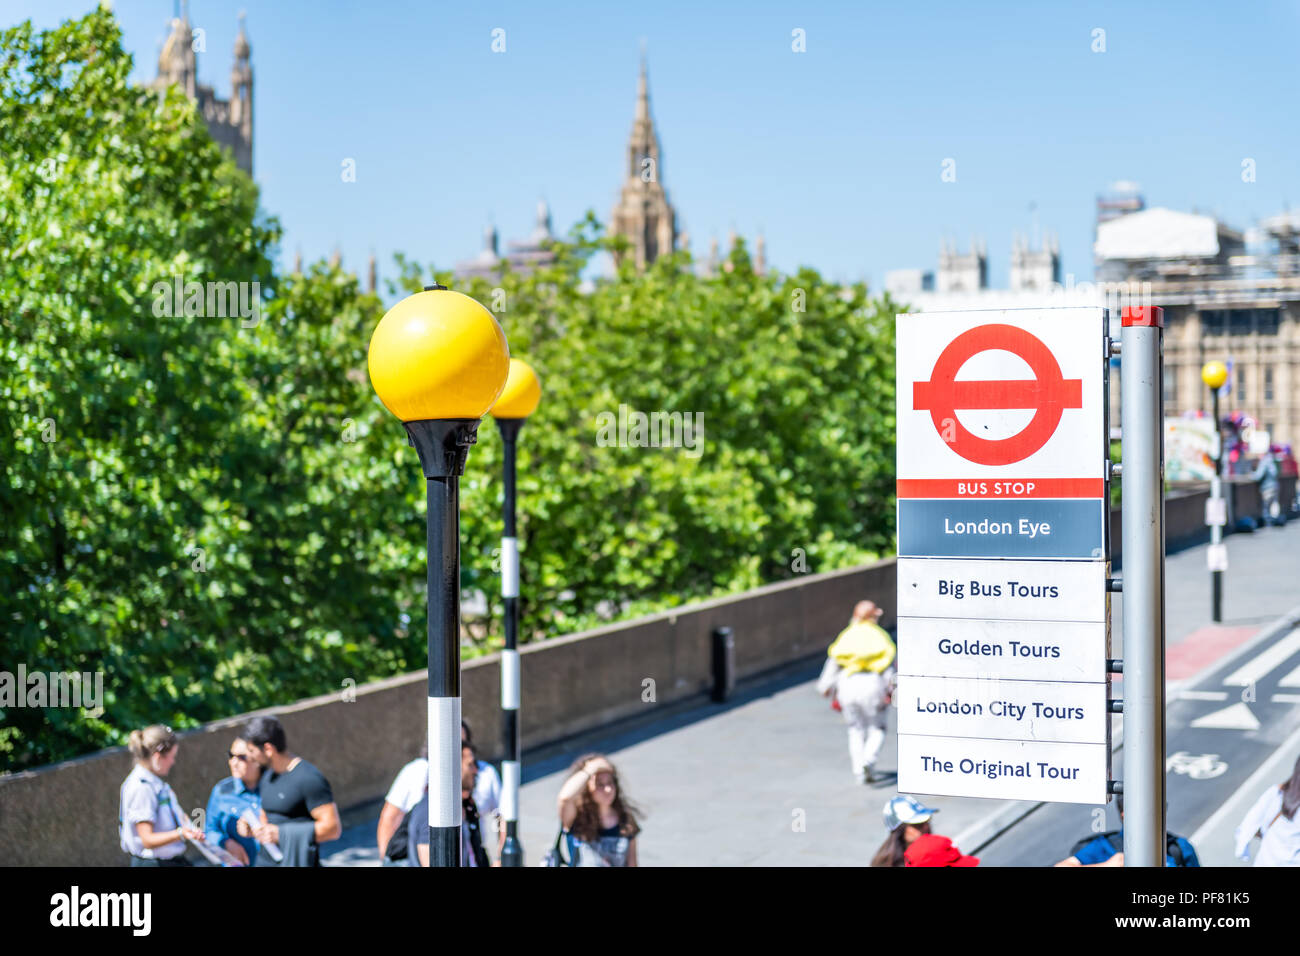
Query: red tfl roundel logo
{"type": "Point", "coordinates": [1048, 393]}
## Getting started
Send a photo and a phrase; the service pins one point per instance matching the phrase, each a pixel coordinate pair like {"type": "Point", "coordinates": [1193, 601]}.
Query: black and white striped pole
{"type": "Point", "coordinates": [518, 400]}
{"type": "Point", "coordinates": [1214, 374]}
{"type": "Point", "coordinates": [438, 361]}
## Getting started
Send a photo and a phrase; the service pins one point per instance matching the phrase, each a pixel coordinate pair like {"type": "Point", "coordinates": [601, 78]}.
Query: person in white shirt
{"type": "Point", "coordinates": [151, 825]}
{"type": "Point", "coordinates": [412, 783]}
{"type": "Point", "coordinates": [1274, 819]}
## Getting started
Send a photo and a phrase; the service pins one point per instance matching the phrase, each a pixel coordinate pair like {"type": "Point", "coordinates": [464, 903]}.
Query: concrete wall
{"type": "Point", "coordinates": [65, 814]}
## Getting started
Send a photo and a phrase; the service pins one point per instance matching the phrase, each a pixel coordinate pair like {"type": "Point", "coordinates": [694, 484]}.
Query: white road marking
{"type": "Point", "coordinates": [1257, 667]}
{"type": "Point", "coordinates": [1290, 680]}
{"type": "Point", "coordinates": [1286, 698]}
{"type": "Point", "coordinates": [1202, 695]}
{"type": "Point", "coordinates": [1233, 717]}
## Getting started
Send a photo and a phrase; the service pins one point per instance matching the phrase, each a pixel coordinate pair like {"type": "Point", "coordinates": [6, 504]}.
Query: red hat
{"type": "Point", "coordinates": [930, 849]}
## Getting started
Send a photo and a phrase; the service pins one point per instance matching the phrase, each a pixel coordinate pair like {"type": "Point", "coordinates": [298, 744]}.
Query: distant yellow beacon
{"type": "Point", "coordinates": [522, 392]}
{"type": "Point", "coordinates": [1214, 374]}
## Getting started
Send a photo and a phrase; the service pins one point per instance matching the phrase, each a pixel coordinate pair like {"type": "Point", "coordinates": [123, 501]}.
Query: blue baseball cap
{"type": "Point", "coordinates": [904, 809]}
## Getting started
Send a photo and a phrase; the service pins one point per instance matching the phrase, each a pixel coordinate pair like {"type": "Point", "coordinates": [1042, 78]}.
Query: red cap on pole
{"type": "Point", "coordinates": [1151, 316]}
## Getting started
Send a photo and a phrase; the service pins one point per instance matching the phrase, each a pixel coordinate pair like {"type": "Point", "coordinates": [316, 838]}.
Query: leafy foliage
{"type": "Point", "coordinates": [219, 515]}
{"type": "Point", "coordinates": [793, 378]}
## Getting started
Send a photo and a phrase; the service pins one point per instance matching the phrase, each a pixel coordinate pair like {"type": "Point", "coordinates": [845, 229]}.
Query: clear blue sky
{"type": "Point", "coordinates": [834, 153]}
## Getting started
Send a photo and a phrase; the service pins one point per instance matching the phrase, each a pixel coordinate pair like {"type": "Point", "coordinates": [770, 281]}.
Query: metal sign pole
{"type": "Point", "coordinates": [1143, 513]}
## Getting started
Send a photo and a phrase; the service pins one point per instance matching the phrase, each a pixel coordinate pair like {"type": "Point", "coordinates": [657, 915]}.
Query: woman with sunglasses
{"type": "Point", "coordinates": [233, 798]}
{"type": "Point", "coordinates": [599, 821]}
{"type": "Point", "coordinates": [151, 825]}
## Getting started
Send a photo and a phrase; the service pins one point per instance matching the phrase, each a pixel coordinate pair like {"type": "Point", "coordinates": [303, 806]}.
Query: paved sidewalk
{"type": "Point", "coordinates": [765, 779]}
{"type": "Point", "coordinates": [763, 782]}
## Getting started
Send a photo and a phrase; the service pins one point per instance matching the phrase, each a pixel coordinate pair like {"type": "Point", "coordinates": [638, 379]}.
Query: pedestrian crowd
{"type": "Point", "coordinates": [276, 809]}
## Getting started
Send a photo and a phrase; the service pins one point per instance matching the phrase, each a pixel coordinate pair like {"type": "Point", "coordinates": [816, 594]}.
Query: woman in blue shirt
{"type": "Point", "coordinates": [231, 799]}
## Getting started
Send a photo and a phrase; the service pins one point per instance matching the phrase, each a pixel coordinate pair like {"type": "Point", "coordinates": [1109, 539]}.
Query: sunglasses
{"type": "Point", "coordinates": [606, 780]}
{"type": "Point", "coordinates": [234, 756]}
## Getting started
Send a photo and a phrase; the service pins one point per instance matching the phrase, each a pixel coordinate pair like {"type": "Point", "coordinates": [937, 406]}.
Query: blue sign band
{"type": "Point", "coordinates": [991, 528]}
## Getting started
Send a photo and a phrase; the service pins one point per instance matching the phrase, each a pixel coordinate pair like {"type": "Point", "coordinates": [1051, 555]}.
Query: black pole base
{"type": "Point", "coordinates": [442, 444]}
{"type": "Point", "coordinates": [512, 853]}
{"type": "Point", "coordinates": [444, 846]}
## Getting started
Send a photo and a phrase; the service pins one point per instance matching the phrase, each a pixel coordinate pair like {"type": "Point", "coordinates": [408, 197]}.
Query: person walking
{"type": "Point", "coordinates": [152, 828]}
{"type": "Point", "coordinates": [857, 671]}
{"type": "Point", "coordinates": [412, 783]}
{"type": "Point", "coordinates": [471, 833]}
{"type": "Point", "coordinates": [599, 821]}
{"type": "Point", "coordinates": [1266, 474]}
{"type": "Point", "coordinates": [1273, 819]}
{"type": "Point", "coordinates": [906, 819]}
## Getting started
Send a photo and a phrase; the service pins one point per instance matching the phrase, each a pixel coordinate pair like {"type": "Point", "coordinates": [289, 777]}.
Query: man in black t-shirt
{"type": "Point", "coordinates": [294, 793]}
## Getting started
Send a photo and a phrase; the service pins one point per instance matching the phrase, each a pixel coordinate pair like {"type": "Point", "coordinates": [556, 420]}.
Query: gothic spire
{"type": "Point", "coordinates": [643, 91]}
{"type": "Point", "coordinates": [643, 213]}
{"type": "Point", "coordinates": [242, 49]}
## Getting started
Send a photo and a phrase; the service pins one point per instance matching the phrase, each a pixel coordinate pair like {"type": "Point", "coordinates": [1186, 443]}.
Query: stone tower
{"type": "Point", "coordinates": [643, 213]}
{"type": "Point", "coordinates": [230, 122]}
{"type": "Point", "coordinates": [1035, 269]}
{"type": "Point", "coordinates": [959, 272]}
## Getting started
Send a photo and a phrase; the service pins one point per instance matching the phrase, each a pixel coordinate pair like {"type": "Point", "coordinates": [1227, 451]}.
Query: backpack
{"type": "Point", "coordinates": [1172, 847]}
{"type": "Point", "coordinates": [555, 856]}
{"type": "Point", "coordinates": [396, 851]}
{"type": "Point", "coordinates": [470, 811]}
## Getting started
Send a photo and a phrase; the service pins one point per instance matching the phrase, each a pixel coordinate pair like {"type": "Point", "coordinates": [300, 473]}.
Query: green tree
{"type": "Point", "coordinates": [186, 506]}
{"type": "Point", "coordinates": [215, 510]}
{"type": "Point", "coordinates": [793, 379]}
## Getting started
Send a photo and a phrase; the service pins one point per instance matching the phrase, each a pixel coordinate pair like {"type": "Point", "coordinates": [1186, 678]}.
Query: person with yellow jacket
{"type": "Point", "coordinates": [858, 665]}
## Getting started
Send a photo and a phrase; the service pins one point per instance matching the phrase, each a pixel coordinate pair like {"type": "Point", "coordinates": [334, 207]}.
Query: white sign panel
{"type": "Point", "coordinates": [1003, 769]}
{"type": "Point", "coordinates": [1014, 650]}
{"type": "Point", "coordinates": [1006, 709]}
{"type": "Point", "coordinates": [1003, 612]}
{"type": "Point", "coordinates": [1003, 590]}
{"type": "Point", "coordinates": [984, 397]}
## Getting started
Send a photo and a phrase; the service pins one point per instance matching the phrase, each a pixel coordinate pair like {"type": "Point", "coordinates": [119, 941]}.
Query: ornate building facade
{"type": "Point", "coordinates": [1225, 298]}
{"type": "Point", "coordinates": [522, 255]}
{"type": "Point", "coordinates": [643, 213]}
{"type": "Point", "coordinates": [1035, 268]}
{"type": "Point", "coordinates": [1228, 295]}
{"type": "Point", "coordinates": [230, 122]}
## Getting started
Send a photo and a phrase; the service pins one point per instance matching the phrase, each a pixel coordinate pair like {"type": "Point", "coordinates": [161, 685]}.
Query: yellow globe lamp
{"type": "Point", "coordinates": [438, 361]}
{"type": "Point", "coordinates": [438, 354]}
{"type": "Point", "coordinates": [1214, 374]}
{"type": "Point", "coordinates": [522, 393]}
